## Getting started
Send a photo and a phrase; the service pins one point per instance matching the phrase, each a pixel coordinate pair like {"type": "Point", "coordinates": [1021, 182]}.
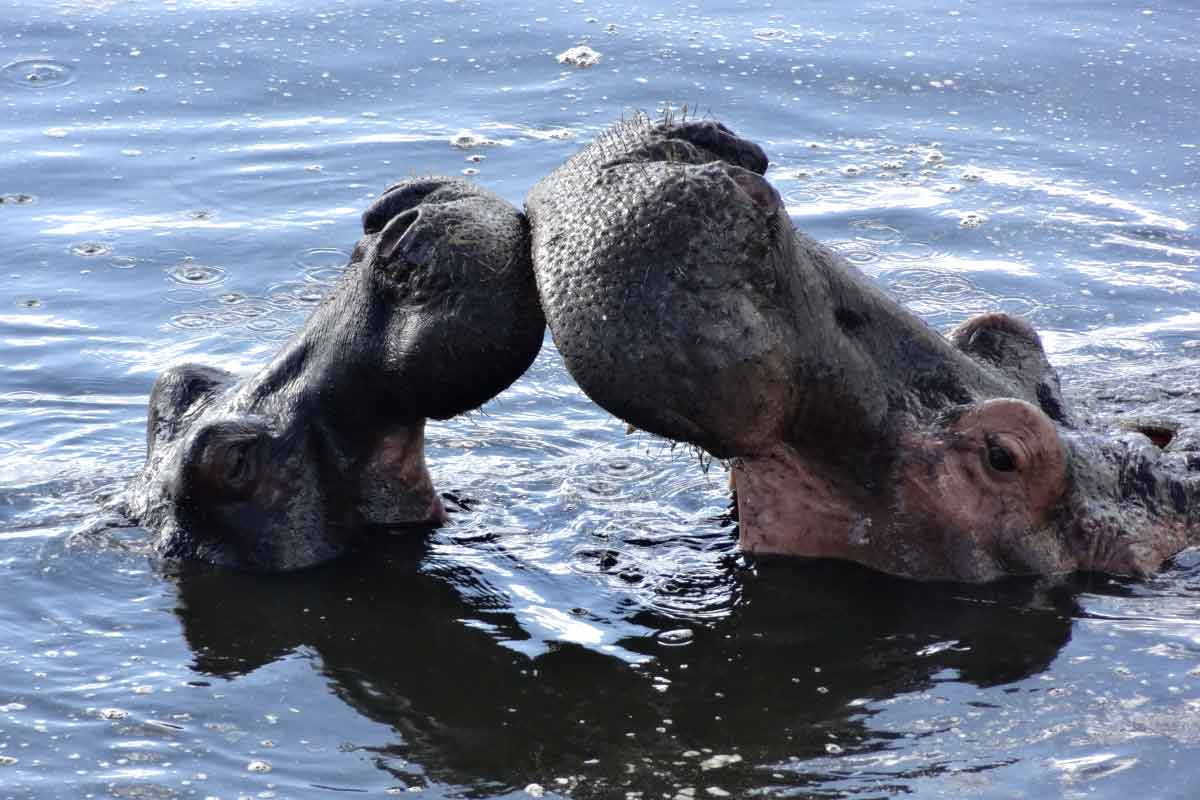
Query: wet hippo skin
{"type": "Point", "coordinates": [289, 467]}
{"type": "Point", "coordinates": [684, 302]}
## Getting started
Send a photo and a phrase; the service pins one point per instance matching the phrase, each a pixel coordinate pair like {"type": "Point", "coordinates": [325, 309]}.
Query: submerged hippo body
{"type": "Point", "coordinates": [684, 302]}
{"type": "Point", "coordinates": [436, 314]}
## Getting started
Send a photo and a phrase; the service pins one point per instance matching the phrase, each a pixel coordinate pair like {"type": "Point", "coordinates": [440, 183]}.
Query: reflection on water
{"type": "Point", "coordinates": [182, 182]}
{"type": "Point", "coordinates": [750, 684]}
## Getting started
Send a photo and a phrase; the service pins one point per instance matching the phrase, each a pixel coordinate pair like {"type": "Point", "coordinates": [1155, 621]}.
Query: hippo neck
{"type": "Point", "coordinates": [915, 367]}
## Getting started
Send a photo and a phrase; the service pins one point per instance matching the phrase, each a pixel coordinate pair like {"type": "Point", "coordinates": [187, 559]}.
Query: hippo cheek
{"type": "Point", "coordinates": [978, 499]}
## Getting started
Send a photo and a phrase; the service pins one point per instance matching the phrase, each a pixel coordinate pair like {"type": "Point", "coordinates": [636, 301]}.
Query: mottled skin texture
{"type": "Point", "coordinates": [436, 314]}
{"type": "Point", "coordinates": [684, 302]}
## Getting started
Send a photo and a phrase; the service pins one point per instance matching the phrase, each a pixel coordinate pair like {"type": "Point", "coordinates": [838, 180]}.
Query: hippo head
{"type": "Point", "coordinates": [684, 302]}
{"type": "Point", "coordinates": [437, 313]}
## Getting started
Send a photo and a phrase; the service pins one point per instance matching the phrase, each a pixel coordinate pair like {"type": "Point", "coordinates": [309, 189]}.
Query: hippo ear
{"type": "Point", "coordinates": [1011, 345]}
{"type": "Point", "coordinates": [175, 393]}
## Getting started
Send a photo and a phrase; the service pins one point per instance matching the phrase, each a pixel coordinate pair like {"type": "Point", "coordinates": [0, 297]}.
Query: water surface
{"type": "Point", "coordinates": [182, 181]}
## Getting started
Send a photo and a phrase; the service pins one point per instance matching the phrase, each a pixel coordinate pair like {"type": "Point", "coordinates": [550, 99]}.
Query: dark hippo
{"type": "Point", "coordinates": [437, 313]}
{"type": "Point", "coordinates": [684, 302]}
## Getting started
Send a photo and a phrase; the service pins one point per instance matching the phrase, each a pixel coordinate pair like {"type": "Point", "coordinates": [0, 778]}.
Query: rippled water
{"type": "Point", "coordinates": [182, 181]}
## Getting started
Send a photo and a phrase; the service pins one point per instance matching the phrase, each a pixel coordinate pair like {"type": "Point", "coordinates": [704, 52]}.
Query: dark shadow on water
{"type": "Point", "coordinates": [796, 666]}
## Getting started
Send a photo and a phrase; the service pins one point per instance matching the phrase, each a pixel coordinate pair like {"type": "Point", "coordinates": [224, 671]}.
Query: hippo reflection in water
{"type": "Point", "coordinates": [683, 302]}
{"type": "Point", "coordinates": [437, 313]}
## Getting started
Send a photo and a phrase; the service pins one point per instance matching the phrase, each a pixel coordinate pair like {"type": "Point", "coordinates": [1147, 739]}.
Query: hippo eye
{"type": "Point", "coordinates": [999, 458]}
{"type": "Point", "coordinates": [239, 465]}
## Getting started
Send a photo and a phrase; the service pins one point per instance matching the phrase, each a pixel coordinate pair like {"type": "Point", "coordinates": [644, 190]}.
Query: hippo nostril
{"type": "Point", "coordinates": [395, 199]}
{"type": "Point", "coordinates": [394, 232]}
{"type": "Point", "coordinates": [757, 189]}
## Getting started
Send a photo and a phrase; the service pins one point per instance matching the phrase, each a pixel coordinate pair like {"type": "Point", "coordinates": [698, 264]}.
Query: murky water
{"type": "Point", "coordinates": [182, 180]}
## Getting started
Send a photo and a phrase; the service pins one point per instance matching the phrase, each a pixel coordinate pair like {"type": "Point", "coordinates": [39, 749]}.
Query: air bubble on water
{"type": "Point", "coordinates": [321, 257]}
{"type": "Point", "coordinates": [852, 171]}
{"type": "Point", "coordinates": [326, 276]}
{"type": "Point", "coordinates": [971, 176]}
{"type": "Point", "coordinates": [470, 171]}
{"type": "Point", "coordinates": [313, 168]}
{"type": "Point", "coordinates": [874, 230]}
{"type": "Point", "coordinates": [184, 296]}
{"type": "Point", "coordinates": [580, 57]}
{"type": "Point", "coordinates": [201, 214]}
{"type": "Point", "coordinates": [56, 133]}
{"type": "Point", "coordinates": [113, 713]}
{"type": "Point", "coordinates": [465, 140]}
{"type": "Point", "coordinates": [29, 302]}
{"type": "Point", "coordinates": [800, 198]}
{"type": "Point", "coordinates": [311, 295]}
{"type": "Point", "coordinates": [265, 325]}
{"type": "Point", "coordinates": [131, 152]}
{"type": "Point", "coordinates": [769, 34]}
{"type": "Point", "coordinates": [7, 761]}
{"type": "Point", "coordinates": [193, 274]}
{"type": "Point", "coordinates": [38, 73]}
{"type": "Point", "coordinates": [90, 249]}
{"type": "Point", "coordinates": [858, 254]}
{"type": "Point", "coordinates": [17, 199]}
{"type": "Point", "coordinates": [192, 321]}
{"type": "Point", "coordinates": [258, 766]}
{"type": "Point", "coordinates": [971, 220]}
{"type": "Point", "coordinates": [676, 637]}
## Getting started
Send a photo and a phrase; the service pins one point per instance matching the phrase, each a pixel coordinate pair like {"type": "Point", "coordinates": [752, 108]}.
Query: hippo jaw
{"type": "Point", "coordinates": [683, 302]}
{"type": "Point", "coordinates": [436, 314]}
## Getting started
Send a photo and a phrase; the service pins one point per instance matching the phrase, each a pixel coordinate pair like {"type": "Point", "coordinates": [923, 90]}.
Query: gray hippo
{"type": "Point", "coordinates": [436, 314]}
{"type": "Point", "coordinates": [684, 302]}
